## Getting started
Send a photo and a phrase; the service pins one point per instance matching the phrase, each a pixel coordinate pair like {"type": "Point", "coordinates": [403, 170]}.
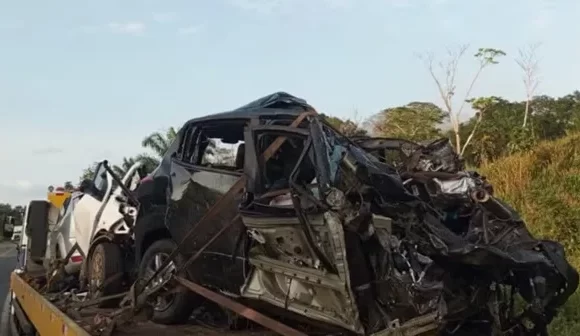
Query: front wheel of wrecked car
{"type": "Point", "coordinates": [173, 304]}
{"type": "Point", "coordinates": [105, 271]}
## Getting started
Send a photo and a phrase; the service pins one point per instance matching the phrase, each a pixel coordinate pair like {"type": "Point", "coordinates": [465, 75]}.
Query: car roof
{"type": "Point", "coordinates": [278, 103]}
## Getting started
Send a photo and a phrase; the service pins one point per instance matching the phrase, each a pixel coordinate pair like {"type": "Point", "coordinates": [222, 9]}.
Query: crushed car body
{"type": "Point", "coordinates": [361, 236]}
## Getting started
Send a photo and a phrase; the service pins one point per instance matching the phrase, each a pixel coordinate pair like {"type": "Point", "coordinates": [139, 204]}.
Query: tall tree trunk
{"type": "Point", "coordinates": [526, 113]}
{"type": "Point", "coordinates": [457, 141]}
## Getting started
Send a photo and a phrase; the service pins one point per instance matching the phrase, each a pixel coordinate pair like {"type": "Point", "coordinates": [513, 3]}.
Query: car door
{"type": "Point", "coordinates": [208, 163]}
{"type": "Point", "coordinates": [111, 217]}
{"type": "Point", "coordinates": [89, 208]}
{"type": "Point", "coordinates": [64, 210]}
{"type": "Point", "coordinates": [65, 230]}
{"type": "Point", "coordinates": [298, 255]}
{"type": "Point", "coordinates": [55, 229]}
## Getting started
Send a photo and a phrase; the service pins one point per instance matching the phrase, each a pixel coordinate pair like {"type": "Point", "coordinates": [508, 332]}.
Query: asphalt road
{"type": "Point", "coordinates": [7, 264]}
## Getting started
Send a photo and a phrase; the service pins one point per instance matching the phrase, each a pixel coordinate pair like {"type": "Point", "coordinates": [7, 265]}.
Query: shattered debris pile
{"type": "Point", "coordinates": [453, 249]}
{"type": "Point", "coordinates": [365, 236]}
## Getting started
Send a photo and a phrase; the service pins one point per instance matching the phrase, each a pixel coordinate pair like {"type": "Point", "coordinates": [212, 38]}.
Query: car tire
{"type": "Point", "coordinates": [105, 261]}
{"type": "Point", "coordinates": [182, 303]}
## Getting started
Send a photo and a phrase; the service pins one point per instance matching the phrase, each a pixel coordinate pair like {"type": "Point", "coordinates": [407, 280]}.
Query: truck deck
{"type": "Point", "coordinates": [48, 318]}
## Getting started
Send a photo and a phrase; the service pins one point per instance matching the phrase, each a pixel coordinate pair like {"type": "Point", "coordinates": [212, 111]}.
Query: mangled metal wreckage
{"type": "Point", "coordinates": [365, 235]}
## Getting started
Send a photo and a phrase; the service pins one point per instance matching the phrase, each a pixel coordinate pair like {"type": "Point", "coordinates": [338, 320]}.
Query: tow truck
{"type": "Point", "coordinates": [412, 274]}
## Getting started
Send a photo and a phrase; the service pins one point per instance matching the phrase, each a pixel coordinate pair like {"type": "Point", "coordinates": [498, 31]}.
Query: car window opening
{"type": "Point", "coordinates": [219, 146]}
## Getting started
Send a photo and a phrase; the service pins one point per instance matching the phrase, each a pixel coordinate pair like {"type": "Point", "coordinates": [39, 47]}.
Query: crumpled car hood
{"type": "Point", "coordinates": [445, 214]}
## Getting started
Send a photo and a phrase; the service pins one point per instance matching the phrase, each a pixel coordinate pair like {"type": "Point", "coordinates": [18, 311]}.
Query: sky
{"type": "Point", "coordinates": [82, 81]}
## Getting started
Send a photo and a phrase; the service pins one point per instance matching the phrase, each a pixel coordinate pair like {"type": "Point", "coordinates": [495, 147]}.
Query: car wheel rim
{"type": "Point", "coordinates": [96, 274]}
{"type": "Point", "coordinates": [160, 282]}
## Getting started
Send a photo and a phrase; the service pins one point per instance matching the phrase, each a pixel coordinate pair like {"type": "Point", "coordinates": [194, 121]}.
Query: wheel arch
{"type": "Point", "coordinates": [150, 227]}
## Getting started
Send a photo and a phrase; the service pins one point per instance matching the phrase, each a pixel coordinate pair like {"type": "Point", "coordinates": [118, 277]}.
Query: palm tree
{"type": "Point", "coordinates": [149, 163]}
{"type": "Point", "coordinates": [159, 142]}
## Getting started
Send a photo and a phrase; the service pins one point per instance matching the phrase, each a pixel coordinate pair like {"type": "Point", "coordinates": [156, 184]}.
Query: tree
{"type": "Point", "coordinates": [480, 105]}
{"type": "Point", "coordinates": [68, 186]}
{"type": "Point", "coordinates": [554, 117]}
{"type": "Point", "coordinates": [347, 127]}
{"type": "Point", "coordinates": [528, 62]}
{"type": "Point", "coordinates": [416, 121]}
{"type": "Point", "coordinates": [89, 172]}
{"type": "Point", "coordinates": [7, 210]}
{"type": "Point", "coordinates": [149, 162]}
{"type": "Point", "coordinates": [490, 135]}
{"type": "Point", "coordinates": [447, 86]}
{"type": "Point", "coordinates": [159, 142]}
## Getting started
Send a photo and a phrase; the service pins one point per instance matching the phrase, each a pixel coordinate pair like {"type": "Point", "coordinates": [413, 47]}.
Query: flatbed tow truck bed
{"type": "Point", "coordinates": [38, 316]}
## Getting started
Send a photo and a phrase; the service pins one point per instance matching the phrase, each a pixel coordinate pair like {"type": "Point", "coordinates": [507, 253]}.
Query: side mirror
{"type": "Point", "coordinates": [86, 185]}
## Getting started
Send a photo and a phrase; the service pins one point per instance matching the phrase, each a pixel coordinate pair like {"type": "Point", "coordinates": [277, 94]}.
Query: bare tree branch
{"type": "Point", "coordinates": [528, 62]}
{"type": "Point", "coordinates": [479, 118]}
{"type": "Point", "coordinates": [447, 91]}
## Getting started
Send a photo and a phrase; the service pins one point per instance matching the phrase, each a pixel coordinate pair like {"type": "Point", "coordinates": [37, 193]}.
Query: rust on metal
{"type": "Point", "coordinates": [47, 319]}
{"type": "Point", "coordinates": [240, 309]}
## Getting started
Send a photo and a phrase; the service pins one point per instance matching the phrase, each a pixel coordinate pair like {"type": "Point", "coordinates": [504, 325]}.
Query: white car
{"type": "Point", "coordinates": [61, 236]}
{"type": "Point", "coordinates": [101, 220]}
{"type": "Point", "coordinates": [100, 209]}
{"type": "Point", "coordinates": [86, 214]}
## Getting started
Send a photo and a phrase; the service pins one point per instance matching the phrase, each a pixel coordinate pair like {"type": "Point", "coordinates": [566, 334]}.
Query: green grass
{"type": "Point", "coordinates": [543, 184]}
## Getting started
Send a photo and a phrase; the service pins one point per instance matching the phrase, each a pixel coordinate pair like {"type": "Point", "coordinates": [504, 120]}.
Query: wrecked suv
{"type": "Point", "coordinates": [360, 236]}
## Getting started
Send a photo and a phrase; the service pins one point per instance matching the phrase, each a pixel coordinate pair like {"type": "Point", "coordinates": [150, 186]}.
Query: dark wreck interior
{"type": "Point", "coordinates": [367, 235]}
{"type": "Point", "coordinates": [452, 251]}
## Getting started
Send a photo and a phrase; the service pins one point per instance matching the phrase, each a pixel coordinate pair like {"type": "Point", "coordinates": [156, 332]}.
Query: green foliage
{"type": "Point", "coordinates": [498, 125]}
{"type": "Point", "coordinates": [149, 162]}
{"type": "Point", "coordinates": [346, 127]}
{"type": "Point", "coordinates": [68, 185]}
{"type": "Point", "coordinates": [415, 121]}
{"type": "Point", "coordinates": [7, 210]}
{"type": "Point", "coordinates": [156, 142]}
{"type": "Point", "coordinates": [160, 142]}
{"type": "Point", "coordinates": [89, 172]}
{"type": "Point", "coordinates": [489, 55]}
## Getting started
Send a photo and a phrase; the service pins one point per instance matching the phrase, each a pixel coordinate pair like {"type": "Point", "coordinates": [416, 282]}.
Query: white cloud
{"type": "Point", "coordinates": [190, 30]}
{"type": "Point", "coordinates": [167, 17]}
{"type": "Point", "coordinates": [131, 28]}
